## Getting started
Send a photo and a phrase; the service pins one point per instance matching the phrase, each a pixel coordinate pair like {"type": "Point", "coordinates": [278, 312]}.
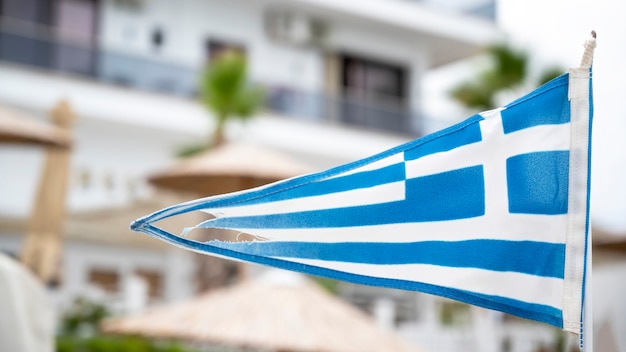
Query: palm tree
{"type": "Point", "coordinates": [227, 93]}
{"type": "Point", "coordinates": [508, 70]}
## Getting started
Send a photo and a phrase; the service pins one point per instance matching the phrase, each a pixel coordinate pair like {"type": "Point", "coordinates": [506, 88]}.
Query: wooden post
{"type": "Point", "coordinates": [42, 247]}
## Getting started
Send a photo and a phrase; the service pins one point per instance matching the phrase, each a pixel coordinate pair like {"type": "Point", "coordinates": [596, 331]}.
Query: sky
{"type": "Point", "coordinates": [553, 32]}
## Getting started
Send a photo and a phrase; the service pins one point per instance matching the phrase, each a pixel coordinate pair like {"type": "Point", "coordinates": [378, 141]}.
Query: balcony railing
{"type": "Point", "coordinates": [38, 46]}
{"type": "Point", "coordinates": [485, 9]}
{"type": "Point", "coordinates": [383, 114]}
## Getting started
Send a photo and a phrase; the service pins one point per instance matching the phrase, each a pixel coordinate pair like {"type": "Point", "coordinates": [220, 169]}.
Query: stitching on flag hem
{"type": "Point", "coordinates": [588, 234]}
{"type": "Point", "coordinates": [577, 235]}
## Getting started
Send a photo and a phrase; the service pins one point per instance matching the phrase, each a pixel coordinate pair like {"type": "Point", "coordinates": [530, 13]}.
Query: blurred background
{"type": "Point", "coordinates": [112, 109]}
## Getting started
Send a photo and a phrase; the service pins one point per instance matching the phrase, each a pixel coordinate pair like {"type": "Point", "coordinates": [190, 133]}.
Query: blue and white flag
{"type": "Point", "coordinates": [492, 211]}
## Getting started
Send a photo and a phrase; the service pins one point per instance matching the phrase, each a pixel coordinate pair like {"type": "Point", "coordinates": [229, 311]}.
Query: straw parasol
{"type": "Point", "coordinates": [269, 313]}
{"type": "Point", "coordinates": [42, 246]}
{"type": "Point", "coordinates": [16, 127]}
{"type": "Point", "coordinates": [228, 167]}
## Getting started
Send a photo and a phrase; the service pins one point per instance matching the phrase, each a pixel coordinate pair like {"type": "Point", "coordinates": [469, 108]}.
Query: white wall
{"type": "Point", "coordinates": [189, 23]}
{"type": "Point", "coordinates": [118, 132]}
{"type": "Point", "coordinates": [80, 258]}
{"type": "Point", "coordinates": [609, 305]}
{"type": "Point", "coordinates": [122, 153]}
{"type": "Point", "coordinates": [19, 178]}
{"type": "Point", "coordinates": [105, 151]}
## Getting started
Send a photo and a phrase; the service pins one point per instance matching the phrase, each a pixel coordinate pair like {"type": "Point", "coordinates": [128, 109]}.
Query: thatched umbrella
{"type": "Point", "coordinates": [227, 168]}
{"type": "Point", "coordinates": [265, 314]}
{"type": "Point", "coordinates": [17, 127]}
{"type": "Point", "coordinates": [42, 246]}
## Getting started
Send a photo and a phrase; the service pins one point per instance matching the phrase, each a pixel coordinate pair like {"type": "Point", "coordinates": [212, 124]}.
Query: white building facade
{"type": "Point", "coordinates": [343, 81]}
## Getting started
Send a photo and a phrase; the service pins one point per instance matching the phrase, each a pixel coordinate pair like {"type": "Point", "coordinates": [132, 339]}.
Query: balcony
{"type": "Point", "coordinates": [387, 113]}
{"type": "Point", "coordinates": [38, 46]}
{"type": "Point", "coordinates": [485, 9]}
{"type": "Point", "coordinates": [33, 45]}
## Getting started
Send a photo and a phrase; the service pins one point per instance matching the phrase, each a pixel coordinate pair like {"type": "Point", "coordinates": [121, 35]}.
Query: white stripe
{"type": "Point", "coordinates": [534, 139]}
{"type": "Point", "coordinates": [522, 287]}
{"type": "Point", "coordinates": [388, 192]}
{"type": "Point", "coordinates": [515, 227]}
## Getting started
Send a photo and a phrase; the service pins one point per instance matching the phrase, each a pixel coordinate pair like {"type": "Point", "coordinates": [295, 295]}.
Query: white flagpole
{"type": "Point", "coordinates": [586, 338]}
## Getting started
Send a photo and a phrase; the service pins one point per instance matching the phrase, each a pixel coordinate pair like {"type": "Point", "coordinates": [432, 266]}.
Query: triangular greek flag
{"type": "Point", "coordinates": [492, 211]}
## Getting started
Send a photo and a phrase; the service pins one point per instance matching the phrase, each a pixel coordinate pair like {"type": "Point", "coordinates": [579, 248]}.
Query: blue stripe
{"type": "Point", "coordinates": [457, 194]}
{"type": "Point", "coordinates": [527, 257]}
{"type": "Point", "coordinates": [538, 312]}
{"type": "Point", "coordinates": [467, 135]}
{"type": "Point", "coordinates": [364, 179]}
{"type": "Point", "coordinates": [547, 105]}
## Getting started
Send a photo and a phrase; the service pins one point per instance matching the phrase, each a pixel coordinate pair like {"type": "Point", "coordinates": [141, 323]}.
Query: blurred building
{"type": "Point", "coordinates": [343, 81]}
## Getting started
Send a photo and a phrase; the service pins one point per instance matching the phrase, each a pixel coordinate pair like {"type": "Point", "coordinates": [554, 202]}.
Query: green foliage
{"type": "Point", "coordinates": [105, 343]}
{"type": "Point", "coordinates": [83, 317]}
{"type": "Point", "coordinates": [508, 70]}
{"type": "Point", "coordinates": [79, 333]}
{"type": "Point", "coordinates": [225, 90]}
{"type": "Point", "coordinates": [550, 74]}
{"type": "Point", "coordinates": [474, 95]}
{"type": "Point", "coordinates": [191, 149]}
{"type": "Point", "coordinates": [509, 66]}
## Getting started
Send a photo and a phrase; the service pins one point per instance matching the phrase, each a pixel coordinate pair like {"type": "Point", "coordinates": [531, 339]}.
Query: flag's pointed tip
{"type": "Point", "coordinates": [137, 225]}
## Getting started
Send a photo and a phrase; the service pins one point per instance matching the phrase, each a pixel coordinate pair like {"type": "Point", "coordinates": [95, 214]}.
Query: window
{"type": "Point", "coordinates": [158, 38]}
{"type": "Point", "coordinates": [374, 94]}
{"type": "Point", "coordinates": [154, 280]}
{"type": "Point", "coordinates": [373, 80]}
{"type": "Point", "coordinates": [36, 11]}
{"type": "Point", "coordinates": [215, 48]}
{"type": "Point", "coordinates": [76, 20]}
{"type": "Point", "coordinates": [106, 279]}
{"type": "Point", "coordinates": [406, 310]}
{"type": "Point", "coordinates": [71, 21]}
